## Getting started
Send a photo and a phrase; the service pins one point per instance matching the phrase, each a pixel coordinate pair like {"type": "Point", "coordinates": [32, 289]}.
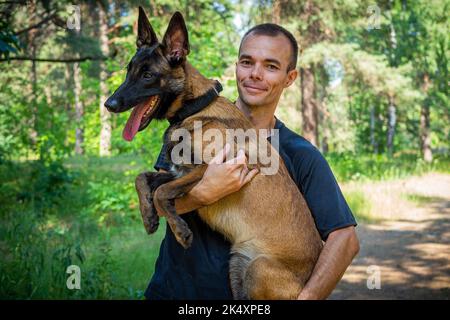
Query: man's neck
{"type": "Point", "coordinates": [262, 117]}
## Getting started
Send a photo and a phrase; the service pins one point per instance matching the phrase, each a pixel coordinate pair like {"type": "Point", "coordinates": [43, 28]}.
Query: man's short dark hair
{"type": "Point", "coordinates": [273, 30]}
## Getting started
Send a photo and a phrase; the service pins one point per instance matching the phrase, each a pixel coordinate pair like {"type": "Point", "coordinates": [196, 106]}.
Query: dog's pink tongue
{"type": "Point", "coordinates": [132, 126]}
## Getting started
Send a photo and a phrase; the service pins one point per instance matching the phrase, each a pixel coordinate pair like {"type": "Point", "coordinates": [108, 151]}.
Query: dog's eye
{"type": "Point", "coordinates": [148, 75]}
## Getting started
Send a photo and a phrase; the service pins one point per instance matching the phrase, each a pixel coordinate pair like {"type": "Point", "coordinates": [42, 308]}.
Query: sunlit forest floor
{"type": "Point", "coordinates": [408, 239]}
{"type": "Point", "coordinates": [84, 211]}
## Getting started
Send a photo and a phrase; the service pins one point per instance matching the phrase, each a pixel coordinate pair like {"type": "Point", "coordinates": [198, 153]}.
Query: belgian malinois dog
{"type": "Point", "coordinates": [275, 243]}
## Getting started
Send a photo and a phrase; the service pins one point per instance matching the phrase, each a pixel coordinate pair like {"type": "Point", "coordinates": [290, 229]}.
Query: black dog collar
{"type": "Point", "coordinates": [193, 106]}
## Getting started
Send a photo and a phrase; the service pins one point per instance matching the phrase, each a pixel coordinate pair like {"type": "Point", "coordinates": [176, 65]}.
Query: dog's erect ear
{"type": "Point", "coordinates": [176, 41]}
{"type": "Point", "coordinates": [146, 35]}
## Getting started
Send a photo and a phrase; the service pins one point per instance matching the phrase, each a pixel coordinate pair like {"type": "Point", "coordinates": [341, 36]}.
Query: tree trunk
{"type": "Point", "coordinates": [322, 123]}
{"type": "Point", "coordinates": [425, 133]}
{"type": "Point", "coordinates": [309, 108]}
{"type": "Point", "coordinates": [393, 42]}
{"type": "Point", "coordinates": [392, 119]}
{"type": "Point", "coordinates": [314, 33]}
{"type": "Point", "coordinates": [105, 116]}
{"type": "Point", "coordinates": [68, 86]}
{"type": "Point", "coordinates": [34, 108]}
{"type": "Point", "coordinates": [325, 147]}
{"type": "Point", "coordinates": [78, 104]}
{"type": "Point", "coordinates": [425, 136]}
{"type": "Point", "coordinates": [32, 47]}
{"type": "Point", "coordinates": [276, 11]}
{"type": "Point", "coordinates": [79, 132]}
{"type": "Point", "coordinates": [154, 8]}
{"type": "Point", "coordinates": [373, 141]}
{"type": "Point", "coordinates": [393, 63]}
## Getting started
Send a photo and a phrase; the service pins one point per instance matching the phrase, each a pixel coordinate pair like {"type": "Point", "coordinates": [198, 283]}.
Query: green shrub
{"type": "Point", "coordinates": [82, 212]}
{"type": "Point", "coordinates": [364, 167]}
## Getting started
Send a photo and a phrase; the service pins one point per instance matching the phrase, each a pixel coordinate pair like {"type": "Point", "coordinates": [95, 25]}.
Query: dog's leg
{"type": "Point", "coordinates": [268, 279]}
{"type": "Point", "coordinates": [164, 200]}
{"type": "Point", "coordinates": [238, 267]}
{"type": "Point", "coordinates": [146, 183]}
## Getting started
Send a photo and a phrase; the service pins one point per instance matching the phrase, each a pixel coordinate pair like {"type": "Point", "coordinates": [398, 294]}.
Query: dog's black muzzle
{"type": "Point", "coordinates": [112, 104]}
{"type": "Point", "coordinates": [128, 96]}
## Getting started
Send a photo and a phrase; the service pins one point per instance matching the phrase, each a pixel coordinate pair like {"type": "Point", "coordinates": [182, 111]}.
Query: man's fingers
{"type": "Point", "coordinates": [240, 158]}
{"type": "Point", "coordinates": [243, 174]}
{"type": "Point", "coordinates": [221, 155]}
{"type": "Point", "coordinates": [250, 176]}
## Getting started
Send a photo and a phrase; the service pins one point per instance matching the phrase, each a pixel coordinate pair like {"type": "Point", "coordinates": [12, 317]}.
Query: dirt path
{"type": "Point", "coordinates": [410, 248]}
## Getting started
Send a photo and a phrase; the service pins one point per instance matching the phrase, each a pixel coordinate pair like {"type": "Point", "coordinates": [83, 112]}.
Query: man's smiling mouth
{"type": "Point", "coordinates": [254, 89]}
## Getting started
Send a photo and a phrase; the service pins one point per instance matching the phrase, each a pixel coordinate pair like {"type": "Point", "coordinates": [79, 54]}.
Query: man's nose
{"type": "Point", "coordinates": [256, 72]}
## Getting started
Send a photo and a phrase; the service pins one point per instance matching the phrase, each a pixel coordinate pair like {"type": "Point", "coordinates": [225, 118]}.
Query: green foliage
{"type": "Point", "coordinates": [365, 167]}
{"type": "Point", "coordinates": [69, 221]}
{"type": "Point", "coordinates": [58, 209]}
{"type": "Point", "coordinates": [9, 43]}
{"type": "Point", "coordinates": [361, 207]}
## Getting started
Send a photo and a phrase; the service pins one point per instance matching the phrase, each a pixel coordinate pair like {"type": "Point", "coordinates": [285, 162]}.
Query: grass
{"type": "Point", "coordinates": [361, 206]}
{"type": "Point", "coordinates": [81, 212]}
{"type": "Point", "coordinates": [419, 199]}
{"type": "Point", "coordinates": [376, 167]}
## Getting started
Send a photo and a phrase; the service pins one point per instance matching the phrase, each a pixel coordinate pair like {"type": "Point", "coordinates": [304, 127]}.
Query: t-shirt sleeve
{"type": "Point", "coordinates": [322, 192]}
{"type": "Point", "coordinates": [162, 162]}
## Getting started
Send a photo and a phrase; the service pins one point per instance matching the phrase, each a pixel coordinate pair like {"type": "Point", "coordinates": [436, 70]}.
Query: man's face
{"type": "Point", "coordinates": [261, 71]}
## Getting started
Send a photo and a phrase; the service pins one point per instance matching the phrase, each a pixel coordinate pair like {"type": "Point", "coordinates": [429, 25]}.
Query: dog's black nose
{"type": "Point", "coordinates": [111, 104]}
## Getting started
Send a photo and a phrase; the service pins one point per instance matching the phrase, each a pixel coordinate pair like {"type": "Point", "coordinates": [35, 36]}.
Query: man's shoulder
{"type": "Point", "coordinates": [296, 146]}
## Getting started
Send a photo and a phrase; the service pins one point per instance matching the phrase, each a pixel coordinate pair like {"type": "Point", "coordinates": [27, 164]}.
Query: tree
{"type": "Point", "coordinates": [105, 116]}
{"type": "Point", "coordinates": [78, 104]}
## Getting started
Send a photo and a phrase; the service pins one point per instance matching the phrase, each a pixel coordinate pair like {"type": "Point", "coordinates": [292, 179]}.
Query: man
{"type": "Point", "coordinates": [266, 66]}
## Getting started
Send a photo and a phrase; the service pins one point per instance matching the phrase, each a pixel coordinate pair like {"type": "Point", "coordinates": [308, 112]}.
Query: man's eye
{"type": "Point", "coordinates": [272, 67]}
{"type": "Point", "coordinates": [245, 62]}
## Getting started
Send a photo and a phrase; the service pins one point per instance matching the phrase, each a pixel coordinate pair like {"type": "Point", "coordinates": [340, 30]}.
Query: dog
{"type": "Point", "coordinates": [275, 244]}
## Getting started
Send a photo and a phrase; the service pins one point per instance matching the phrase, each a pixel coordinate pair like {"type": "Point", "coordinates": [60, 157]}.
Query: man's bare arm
{"type": "Point", "coordinates": [338, 252]}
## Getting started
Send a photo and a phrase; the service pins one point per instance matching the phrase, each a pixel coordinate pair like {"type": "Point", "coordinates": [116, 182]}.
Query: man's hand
{"type": "Point", "coordinates": [223, 178]}
{"type": "Point", "coordinates": [219, 180]}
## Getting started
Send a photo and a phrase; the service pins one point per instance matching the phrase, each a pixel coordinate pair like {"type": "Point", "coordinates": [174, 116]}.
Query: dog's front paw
{"type": "Point", "coordinates": [183, 234]}
{"type": "Point", "coordinates": [149, 216]}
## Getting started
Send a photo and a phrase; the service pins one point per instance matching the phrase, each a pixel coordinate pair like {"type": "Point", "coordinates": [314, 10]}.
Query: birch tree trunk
{"type": "Point", "coordinates": [392, 120]}
{"type": "Point", "coordinates": [105, 116]}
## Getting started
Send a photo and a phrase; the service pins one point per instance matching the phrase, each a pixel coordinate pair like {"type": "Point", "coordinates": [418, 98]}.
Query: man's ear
{"type": "Point", "coordinates": [292, 75]}
{"type": "Point", "coordinates": [176, 41]}
{"type": "Point", "coordinates": [146, 35]}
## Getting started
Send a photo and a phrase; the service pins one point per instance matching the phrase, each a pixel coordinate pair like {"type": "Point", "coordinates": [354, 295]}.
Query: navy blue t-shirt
{"type": "Point", "coordinates": [201, 272]}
